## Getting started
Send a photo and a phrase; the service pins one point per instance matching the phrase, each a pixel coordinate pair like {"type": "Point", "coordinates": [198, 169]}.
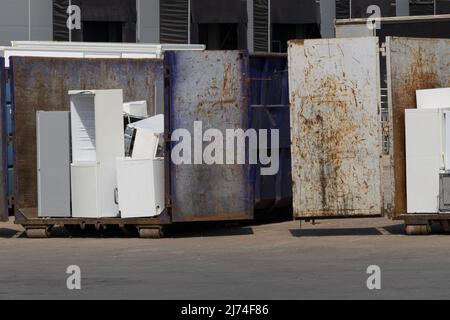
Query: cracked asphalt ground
{"type": "Point", "coordinates": [328, 260]}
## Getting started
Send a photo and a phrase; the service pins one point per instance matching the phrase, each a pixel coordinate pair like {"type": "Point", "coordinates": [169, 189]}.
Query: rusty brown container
{"type": "Point", "coordinates": [43, 83]}
{"type": "Point", "coordinates": [412, 64]}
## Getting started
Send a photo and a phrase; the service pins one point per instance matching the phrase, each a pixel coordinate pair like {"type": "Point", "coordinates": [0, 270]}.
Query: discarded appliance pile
{"type": "Point", "coordinates": [428, 152]}
{"type": "Point", "coordinates": [99, 168]}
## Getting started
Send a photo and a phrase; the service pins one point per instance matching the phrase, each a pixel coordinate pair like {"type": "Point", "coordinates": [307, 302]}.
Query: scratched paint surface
{"type": "Point", "coordinates": [211, 87]}
{"type": "Point", "coordinates": [43, 84]}
{"type": "Point", "coordinates": [335, 127]}
{"type": "Point", "coordinates": [413, 64]}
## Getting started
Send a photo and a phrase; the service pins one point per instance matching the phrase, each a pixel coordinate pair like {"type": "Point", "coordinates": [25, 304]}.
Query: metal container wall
{"type": "Point", "coordinates": [211, 87]}
{"type": "Point", "coordinates": [336, 127]}
{"type": "Point", "coordinates": [412, 64]}
{"type": "Point", "coordinates": [269, 103]}
{"type": "Point", "coordinates": [43, 84]}
{"type": "Point", "coordinates": [3, 146]}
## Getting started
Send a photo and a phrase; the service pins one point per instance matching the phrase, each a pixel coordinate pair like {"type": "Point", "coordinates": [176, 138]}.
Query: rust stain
{"type": "Point", "coordinates": [227, 79]}
{"type": "Point", "coordinates": [299, 42]}
{"type": "Point", "coordinates": [335, 141]}
{"type": "Point", "coordinates": [329, 138]}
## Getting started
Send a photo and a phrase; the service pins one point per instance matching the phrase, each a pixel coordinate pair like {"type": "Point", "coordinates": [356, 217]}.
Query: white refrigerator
{"type": "Point", "coordinates": [97, 140]}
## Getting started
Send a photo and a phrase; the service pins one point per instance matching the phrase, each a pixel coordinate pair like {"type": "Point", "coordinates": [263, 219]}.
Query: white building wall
{"type": "Point", "coordinates": [148, 24]}
{"type": "Point", "coordinates": [16, 22]}
{"type": "Point", "coordinates": [42, 20]}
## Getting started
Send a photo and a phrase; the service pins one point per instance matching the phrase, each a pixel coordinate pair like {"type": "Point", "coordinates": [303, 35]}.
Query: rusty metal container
{"type": "Point", "coordinates": [335, 128]}
{"type": "Point", "coordinates": [43, 83]}
{"type": "Point", "coordinates": [211, 87]}
{"type": "Point", "coordinates": [412, 64]}
{"type": "Point", "coordinates": [228, 90]}
{"type": "Point", "coordinates": [223, 89]}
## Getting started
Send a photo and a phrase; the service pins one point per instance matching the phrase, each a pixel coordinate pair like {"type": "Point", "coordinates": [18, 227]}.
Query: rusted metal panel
{"type": "Point", "coordinates": [412, 64]}
{"type": "Point", "coordinates": [3, 146]}
{"type": "Point", "coordinates": [43, 84]}
{"type": "Point", "coordinates": [336, 127]}
{"type": "Point", "coordinates": [211, 87]}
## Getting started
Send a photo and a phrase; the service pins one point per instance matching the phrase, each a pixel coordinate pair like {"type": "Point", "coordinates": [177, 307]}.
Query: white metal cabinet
{"type": "Point", "coordinates": [136, 109]}
{"type": "Point", "coordinates": [141, 187]}
{"type": "Point", "coordinates": [84, 190]}
{"type": "Point", "coordinates": [433, 98]}
{"type": "Point", "coordinates": [145, 144]}
{"type": "Point", "coordinates": [424, 159]}
{"type": "Point", "coordinates": [53, 162]}
{"type": "Point", "coordinates": [97, 140]}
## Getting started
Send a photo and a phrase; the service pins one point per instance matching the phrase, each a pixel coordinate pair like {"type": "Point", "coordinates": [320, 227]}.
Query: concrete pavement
{"type": "Point", "coordinates": [272, 261]}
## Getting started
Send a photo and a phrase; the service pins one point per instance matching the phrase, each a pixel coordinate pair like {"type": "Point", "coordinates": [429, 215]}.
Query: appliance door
{"type": "Point", "coordinates": [140, 187]}
{"type": "Point", "coordinates": [84, 191]}
{"type": "Point", "coordinates": [53, 157]}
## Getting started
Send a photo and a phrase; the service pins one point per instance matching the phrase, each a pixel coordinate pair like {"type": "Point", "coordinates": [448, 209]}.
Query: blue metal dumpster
{"type": "Point", "coordinates": [269, 108]}
{"type": "Point", "coordinates": [3, 145]}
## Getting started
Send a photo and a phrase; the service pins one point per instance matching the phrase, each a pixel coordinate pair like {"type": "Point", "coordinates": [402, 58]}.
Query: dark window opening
{"type": "Point", "coordinates": [342, 9]}
{"type": "Point", "coordinates": [102, 31]}
{"type": "Point", "coordinates": [282, 33]}
{"type": "Point", "coordinates": [442, 7]}
{"type": "Point", "coordinates": [421, 7]}
{"type": "Point", "coordinates": [219, 36]}
{"type": "Point", "coordinates": [359, 9]}
{"type": "Point", "coordinates": [102, 21]}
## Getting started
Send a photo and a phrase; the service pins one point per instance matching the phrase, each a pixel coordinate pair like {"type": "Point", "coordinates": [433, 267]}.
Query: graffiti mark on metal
{"type": "Point", "coordinates": [335, 127]}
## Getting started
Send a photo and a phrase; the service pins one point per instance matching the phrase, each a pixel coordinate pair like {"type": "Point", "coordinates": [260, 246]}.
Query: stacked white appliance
{"type": "Point", "coordinates": [141, 187]}
{"type": "Point", "coordinates": [428, 152]}
{"type": "Point", "coordinates": [97, 140]}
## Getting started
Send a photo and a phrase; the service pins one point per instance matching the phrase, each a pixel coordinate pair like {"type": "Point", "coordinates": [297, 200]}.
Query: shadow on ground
{"type": "Point", "coordinates": [7, 233]}
{"type": "Point", "coordinates": [208, 230]}
{"type": "Point", "coordinates": [173, 231]}
{"type": "Point", "coordinates": [397, 229]}
{"type": "Point", "coordinates": [335, 232]}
